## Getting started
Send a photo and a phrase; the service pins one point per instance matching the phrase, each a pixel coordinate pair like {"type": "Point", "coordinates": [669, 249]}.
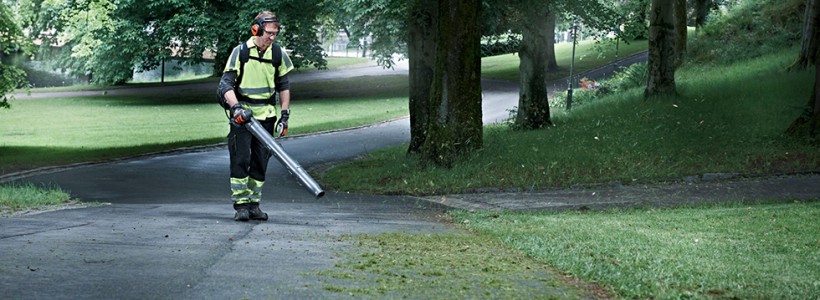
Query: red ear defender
{"type": "Point", "coordinates": [255, 30]}
{"type": "Point", "coordinates": [258, 26]}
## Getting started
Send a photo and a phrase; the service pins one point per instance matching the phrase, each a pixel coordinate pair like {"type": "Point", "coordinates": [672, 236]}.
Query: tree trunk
{"type": "Point", "coordinates": [680, 28]}
{"type": "Point", "coordinates": [701, 12]}
{"type": "Point", "coordinates": [806, 123]}
{"type": "Point", "coordinates": [661, 61]}
{"type": "Point", "coordinates": [549, 30]}
{"type": "Point", "coordinates": [421, 48]}
{"type": "Point", "coordinates": [454, 124]}
{"type": "Point", "coordinates": [811, 37]}
{"type": "Point", "coordinates": [533, 105]}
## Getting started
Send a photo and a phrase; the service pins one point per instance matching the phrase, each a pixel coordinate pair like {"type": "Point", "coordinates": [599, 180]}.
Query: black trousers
{"type": "Point", "coordinates": [249, 156]}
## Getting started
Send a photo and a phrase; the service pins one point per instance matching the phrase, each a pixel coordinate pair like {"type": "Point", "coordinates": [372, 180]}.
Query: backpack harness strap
{"type": "Point", "coordinates": [245, 55]}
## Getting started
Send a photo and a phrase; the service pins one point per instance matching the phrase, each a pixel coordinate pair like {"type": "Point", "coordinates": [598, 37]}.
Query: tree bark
{"type": "Point", "coordinates": [661, 62]}
{"type": "Point", "coordinates": [549, 30]}
{"type": "Point", "coordinates": [455, 125]}
{"type": "Point", "coordinates": [701, 12]}
{"type": "Point", "coordinates": [680, 28]}
{"type": "Point", "coordinates": [421, 48]}
{"type": "Point", "coordinates": [806, 123]}
{"type": "Point", "coordinates": [536, 43]}
{"type": "Point", "coordinates": [811, 37]}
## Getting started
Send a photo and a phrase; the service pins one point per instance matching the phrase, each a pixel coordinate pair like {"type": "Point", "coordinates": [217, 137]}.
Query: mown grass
{"type": "Point", "coordinates": [731, 251]}
{"type": "Point", "coordinates": [441, 266]}
{"type": "Point", "coordinates": [588, 55]}
{"type": "Point", "coordinates": [45, 132]}
{"type": "Point", "coordinates": [726, 119]}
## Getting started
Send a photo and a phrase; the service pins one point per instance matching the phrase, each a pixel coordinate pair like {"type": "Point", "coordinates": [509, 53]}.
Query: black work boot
{"type": "Point", "coordinates": [242, 213]}
{"type": "Point", "coordinates": [256, 213]}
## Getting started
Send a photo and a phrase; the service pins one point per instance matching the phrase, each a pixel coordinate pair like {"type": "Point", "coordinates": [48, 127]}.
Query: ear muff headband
{"type": "Point", "coordinates": [258, 26]}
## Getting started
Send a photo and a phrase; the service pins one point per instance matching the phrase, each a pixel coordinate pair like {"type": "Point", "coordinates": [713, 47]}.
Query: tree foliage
{"type": "Point", "coordinates": [383, 21]}
{"type": "Point", "coordinates": [110, 39]}
{"type": "Point", "coordinates": [11, 40]}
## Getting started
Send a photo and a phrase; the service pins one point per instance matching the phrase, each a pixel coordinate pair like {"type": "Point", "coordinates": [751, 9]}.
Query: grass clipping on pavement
{"type": "Point", "coordinates": [441, 266]}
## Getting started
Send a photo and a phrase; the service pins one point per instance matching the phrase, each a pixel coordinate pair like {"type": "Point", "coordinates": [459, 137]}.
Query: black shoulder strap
{"type": "Point", "coordinates": [244, 55]}
{"type": "Point", "coordinates": [277, 60]}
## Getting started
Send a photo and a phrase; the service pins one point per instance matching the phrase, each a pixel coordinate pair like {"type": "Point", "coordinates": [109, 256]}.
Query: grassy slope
{"type": "Point", "coordinates": [727, 119]}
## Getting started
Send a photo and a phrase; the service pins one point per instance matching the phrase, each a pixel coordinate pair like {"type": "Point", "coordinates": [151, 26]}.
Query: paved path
{"type": "Point", "coordinates": [706, 188]}
{"type": "Point", "coordinates": [369, 69]}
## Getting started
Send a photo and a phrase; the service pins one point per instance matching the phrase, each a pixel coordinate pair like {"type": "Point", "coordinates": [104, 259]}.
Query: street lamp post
{"type": "Point", "coordinates": [571, 65]}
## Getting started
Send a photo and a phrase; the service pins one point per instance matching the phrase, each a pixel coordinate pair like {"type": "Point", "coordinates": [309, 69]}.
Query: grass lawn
{"type": "Point", "coordinates": [732, 251]}
{"type": "Point", "coordinates": [103, 127]}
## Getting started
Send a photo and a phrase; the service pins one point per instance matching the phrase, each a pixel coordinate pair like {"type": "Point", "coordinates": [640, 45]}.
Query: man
{"type": "Point", "coordinates": [249, 84]}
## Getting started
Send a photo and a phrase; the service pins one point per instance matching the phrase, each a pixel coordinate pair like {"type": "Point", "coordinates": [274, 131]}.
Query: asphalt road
{"type": "Point", "coordinates": [167, 229]}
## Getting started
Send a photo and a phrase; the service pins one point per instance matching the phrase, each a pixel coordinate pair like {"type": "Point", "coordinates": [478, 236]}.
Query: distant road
{"type": "Point", "coordinates": [369, 69]}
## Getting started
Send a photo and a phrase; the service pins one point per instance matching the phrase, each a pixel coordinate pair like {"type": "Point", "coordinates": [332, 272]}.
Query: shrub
{"type": "Point", "coordinates": [754, 28]}
{"type": "Point", "coordinates": [500, 46]}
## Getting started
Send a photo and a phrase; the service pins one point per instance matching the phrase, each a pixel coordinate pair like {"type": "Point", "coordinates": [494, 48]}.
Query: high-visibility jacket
{"type": "Point", "coordinates": [257, 90]}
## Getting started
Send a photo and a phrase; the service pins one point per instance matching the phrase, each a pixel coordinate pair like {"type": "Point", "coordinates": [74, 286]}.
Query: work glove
{"type": "Point", "coordinates": [282, 125]}
{"type": "Point", "coordinates": [240, 115]}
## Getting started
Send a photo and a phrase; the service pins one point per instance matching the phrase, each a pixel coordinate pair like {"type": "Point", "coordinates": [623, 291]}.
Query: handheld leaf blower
{"type": "Point", "coordinates": [293, 167]}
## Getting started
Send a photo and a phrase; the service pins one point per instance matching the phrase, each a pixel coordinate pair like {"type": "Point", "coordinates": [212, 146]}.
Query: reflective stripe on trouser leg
{"type": "Point", "coordinates": [240, 193]}
{"type": "Point", "coordinates": [255, 187]}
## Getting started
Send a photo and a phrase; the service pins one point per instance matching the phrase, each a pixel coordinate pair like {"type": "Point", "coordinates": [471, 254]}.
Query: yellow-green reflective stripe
{"type": "Point", "coordinates": [243, 201]}
{"type": "Point", "coordinates": [239, 190]}
{"type": "Point", "coordinates": [253, 182]}
{"type": "Point", "coordinates": [257, 91]}
{"type": "Point", "coordinates": [240, 180]}
{"type": "Point", "coordinates": [256, 188]}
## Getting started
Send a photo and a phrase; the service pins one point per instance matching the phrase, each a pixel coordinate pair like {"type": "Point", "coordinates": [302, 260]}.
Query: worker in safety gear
{"type": "Point", "coordinates": [248, 89]}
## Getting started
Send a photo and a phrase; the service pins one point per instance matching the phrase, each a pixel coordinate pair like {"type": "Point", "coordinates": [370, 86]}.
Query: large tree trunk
{"type": "Point", "coordinates": [811, 37]}
{"type": "Point", "coordinates": [701, 12]}
{"type": "Point", "coordinates": [536, 42]}
{"type": "Point", "coordinates": [806, 124]}
{"type": "Point", "coordinates": [455, 126]}
{"type": "Point", "coordinates": [422, 54]}
{"type": "Point", "coordinates": [661, 62]}
{"type": "Point", "coordinates": [680, 28]}
{"type": "Point", "coordinates": [549, 30]}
